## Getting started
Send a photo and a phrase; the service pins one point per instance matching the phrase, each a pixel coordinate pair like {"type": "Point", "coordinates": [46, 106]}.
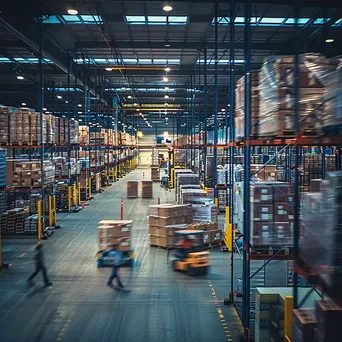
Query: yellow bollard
{"type": "Point", "coordinates": [69, 197]}
{"type": "Point", "coordinates": [89, 187]}
{"type": "Point", "coordinates": [50, 211]}
{"type": "Point", "coordinates": [39, 220]}
{"type": "Point", "coordinates": [288, 318]}
{"type": "Point", "coordinates": [55, 211]}
{"type": "Point", "coordinates": [228, 234]}
{"type": "Point", "coordinates": [79, 194]}
{"type": "Point", "coordinates": [74, 194]}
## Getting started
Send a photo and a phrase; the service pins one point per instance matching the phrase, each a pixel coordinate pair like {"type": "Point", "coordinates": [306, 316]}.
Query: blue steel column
{"type": "Point", "coordinates": [215, 104]}
{"type": "Point", "coordinates": [41, 115]}
{"type": "Point", "coordinates": [247, 172]}
{"type": "Point", "coordinates": [205, 104]}
{"type": "Point", "coordinates": [231, 137]}
{"type": "Point", "coordinates": [192, 151]}
{"type": "Point", "coordinates": [297, 159]}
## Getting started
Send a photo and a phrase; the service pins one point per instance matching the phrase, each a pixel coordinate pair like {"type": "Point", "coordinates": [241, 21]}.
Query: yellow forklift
{"type": "Point", "coordinates": [190, 255]}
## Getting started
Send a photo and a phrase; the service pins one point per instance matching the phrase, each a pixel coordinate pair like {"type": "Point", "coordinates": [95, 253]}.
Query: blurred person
{"type": "Point", "coordinates": [117, 257]}
{"type": "Point", "coordinates": [39, 262]}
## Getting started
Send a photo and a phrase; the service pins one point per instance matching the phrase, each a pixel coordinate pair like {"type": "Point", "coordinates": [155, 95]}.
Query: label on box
{"type": "Point", "coordinates": [264, 197]}
{"type": "Point", "coordinates": [264, 210]}
{"type": "Point", "coordinates": [265, 234]}
{"type": "Point", "coordinates": [265, 216]}
{"type": "Point", "coordinates": [125, 229]}
{"type": "Point", "coordinates": [264, 191]}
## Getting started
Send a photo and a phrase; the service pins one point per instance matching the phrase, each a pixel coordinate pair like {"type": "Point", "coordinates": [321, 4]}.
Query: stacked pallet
{"type": "Point", "coordinates": [4, 123]}
{"type": "Point", "coordinates": [240, 106]}
{"type": "Point", "coordinates": [2, 200]}
{"type": "Point", "coordinates": [185, 178]}
{"type": "Point", "coordinates": [34, 199]}
{"type": "Point", "coordinates": [184, 187]}
{"type": "Point", "coordinates": [271, 215]}
{"type": "Point", "coordinates": [114, 232]}
{"type": "Point", "coordinates": [212, 234]}
{"type": "Point", "coordinates": [204, 212]}
{"type": "Point", "coordinates": [31, 225]}
{"type": "Point", "coordinates": [83, 132]}
{"type": "Point", "coordinates": [3, 223]}
{"type": "Point", "coordinates": [164, 220]}
{"type": "Point", "coordinates": [132, 189]}
{"type": "Point", "coordinates": [146, 189]}
{"type": "Point", "coordinates": [321, 224]}
{"type": "Point", "coordinates": [192, 196]}
{"type": "Point", "coordinates": [155, 173]}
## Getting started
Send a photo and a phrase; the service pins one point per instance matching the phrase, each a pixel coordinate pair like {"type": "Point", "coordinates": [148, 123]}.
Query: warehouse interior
{"type": "Point", "coordinates": [197, 141]}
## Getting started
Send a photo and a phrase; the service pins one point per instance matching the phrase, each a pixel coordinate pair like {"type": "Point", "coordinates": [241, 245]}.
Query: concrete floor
{"type": "Point", "coordinates": [157, 305]}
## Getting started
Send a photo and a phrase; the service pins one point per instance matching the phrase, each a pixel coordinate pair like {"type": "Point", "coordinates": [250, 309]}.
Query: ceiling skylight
{"type": "Point", "coordinates": [87, 19]}
{"type": "Point", "coordinates": [157, 20]}
{"type": "Point", "coordinates": [272, 21]}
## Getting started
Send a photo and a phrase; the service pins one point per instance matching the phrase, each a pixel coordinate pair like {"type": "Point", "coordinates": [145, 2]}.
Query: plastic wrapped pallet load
{"type": "Point", "coordinates": [116, 232]}
{"type": "Point", "coordinates": [204, 212]}
{"type": "Point", "coordinates": [132, 189]}
{"type": "Point", "coordinates": [147, 189]}
{"type": "Point", "coordinates": [184, 187]}
{"type": "Point", "coordinates": [189, 196]}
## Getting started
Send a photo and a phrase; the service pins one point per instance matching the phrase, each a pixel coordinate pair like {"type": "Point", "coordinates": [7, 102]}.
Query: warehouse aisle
{"type": "Point", "coordinates": [157, 305]}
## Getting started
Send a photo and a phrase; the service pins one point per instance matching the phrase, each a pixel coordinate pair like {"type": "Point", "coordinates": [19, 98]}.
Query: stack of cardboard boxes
{"type": "Point", "coordinates": [240, 105]}
{"type": "Point", "coordinates": [132, 189]}
{"type": "Point", "coordinates": [83, 132]}
{"type": "Point", "coordinates": [24, 173]}
{"type": "Point", "coordinates": [114, 232]}
{"type": "Point", "coordinates": [271, 212]}
{"type": "Point", "coordinates": [163, 221]}
{"type": "Point", "coordinates": [146, 189]}
{"type": "Point", "coordinates": [212, 234]}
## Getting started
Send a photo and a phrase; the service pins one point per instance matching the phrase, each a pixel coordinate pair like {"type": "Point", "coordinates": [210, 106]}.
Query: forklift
{"type": "Point", "coordinates": [192, 259]}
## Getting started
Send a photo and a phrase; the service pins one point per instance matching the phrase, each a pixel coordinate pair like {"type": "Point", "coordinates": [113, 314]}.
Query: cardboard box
{"type": "Point", "coordinates": [280, 192]}
{"type": "Point", "coordinates": [262, 212]}
{"type": "Point", "coordinates": [153, 220]}
{"type": "Point", "coordinates": [262, 193]}
{"type": "Point", "coordinates": [261, 233]}
{"type": "Point", "coordinates": [282, 234]}
{"type": "Point", "coordinates": [167, 221]}
{"type": "Point", "coordinates": [304, 324]}
{"type": "Point", "coordinates": [154, 230]}
{"type": "Point", "coordinates": [168, 211]}
{"type": "Point", "coordinates": [281, 211]}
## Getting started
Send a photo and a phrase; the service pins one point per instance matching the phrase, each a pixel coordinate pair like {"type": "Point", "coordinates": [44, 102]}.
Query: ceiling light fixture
{"type": "Point", "coordinates": [135, 104]}
{"type": "Point", "coordinates": [167, 69]}
{"type": "Point", "coordinates": [166, 88]}
{"type": "Point", "coordinates": [138, 110]}
{"type": "Point", "coordinates": [72, 11]}
{"type": "Point", "coordinates": [165, 79]}
{"type": "Point", "coordinates": [167, 44]}
{"type": "Point", "coordinates": [59, 97]}
{"type": "Point", "coordinates": [79, 112]}
{"type": "Point", "coordinates": [129, 96]}
{"type": "Point", "coordinates": [109, 69]}
{"type": "Point", "coordinates": [166, 96]}
{"type": "Point", "coordinates": [329, 40]}
{"type": "Point", "coordinates": [123, 88]}
{"type": "Point", "coordinates": [44, 108]}
{"type": "Point", "coordinates": [20, 77]}
{"type": "Point", "coordinates": [79, 105]}
{"type": "Point", "coordinates": [23, 104]}
{"type": "Point", "coordinates": [166, 104]}
{"type": "Point", "coordinates": [167, 8]}
{"type": "Point", "coordinates": [222, 110]}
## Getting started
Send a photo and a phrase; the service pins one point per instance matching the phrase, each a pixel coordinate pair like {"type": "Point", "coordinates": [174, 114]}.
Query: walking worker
{"type": "Point", "coordinates": [39, 261]}
{"type": "Point", "coordinates": [116, 257]}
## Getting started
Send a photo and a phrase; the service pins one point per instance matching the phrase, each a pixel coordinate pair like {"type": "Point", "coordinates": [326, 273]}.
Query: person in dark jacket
{"type": "Point", "coordinates": [116, 257]}
{"type": "Point", "coordinates": [39, 261]}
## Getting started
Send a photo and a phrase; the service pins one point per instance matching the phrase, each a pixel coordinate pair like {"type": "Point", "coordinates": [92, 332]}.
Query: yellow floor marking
{"type": "Point", "coordinates": [219, 311]}
{"type": "Point", "coordinates": [23, 255]}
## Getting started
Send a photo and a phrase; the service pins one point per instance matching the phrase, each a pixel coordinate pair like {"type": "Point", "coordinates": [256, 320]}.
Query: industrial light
{"type": "Point", "coordinates": [79, 120]}
{"type": "Point", "coordinates": [123, 88]}
{"type": "Point", "coordinates": [166, 104]}
{"type": "Point", "coordinates": [20, 77]}
{"type": "Point", "coordinates": [44, 108]}
{"type": "Point", "coordinates": [135, 104]}
{"type": "Point", "coordinates": [72, 11]}
{"type": "Point", "coordinates": [79, 112]}
{"type": "Point", "coordinates": [329, 40]}
{"type": "Point", "coordinates": [79, 105]}
{"type": "Point", "coordinates": [167, 8]}
{"type": "Point", "coordinates": [167, 44]}
{"type": "Point", "coordinates": [222, 110]}
{"type": "Point", "coordinates": [166, 96]}
{"type": "Point", "coordinates": [129, 96]}
{"type": "Point", "coordinates": [66, 101]}
{"type": "Point", "coordinates": [145, 119]}
{"type": "Point", "coordinates": [23, 104]}
{"type": "Point", "coordinates": [165, 79]}
{"type": "Point", "coordinates": [59, 97]}
{"type": "Point", "coordinates": [166, 88]}
{"type": "Point", "coordinates": [138, 110]}
{"type": "Point", "coordinates": [167, 69]}
{"type": "Point", "coordinates": [109, 69]}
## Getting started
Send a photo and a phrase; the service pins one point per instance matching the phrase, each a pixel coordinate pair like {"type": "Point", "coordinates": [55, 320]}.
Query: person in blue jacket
{"type": "Point", "coordinates": [116, 256]}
